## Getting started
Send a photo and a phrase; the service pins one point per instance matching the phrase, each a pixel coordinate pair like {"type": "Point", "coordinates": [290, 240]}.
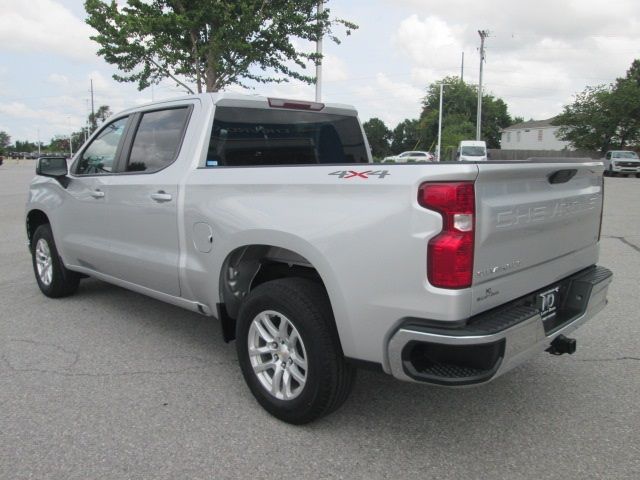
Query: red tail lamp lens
{"type": "Point", "coordinates": [450, 253]}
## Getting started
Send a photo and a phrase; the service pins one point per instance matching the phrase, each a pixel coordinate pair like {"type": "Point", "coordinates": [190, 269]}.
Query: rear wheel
{"type": "Point", "coordinates": [53, 278]}
{"type": "Point", "coordinates": [637, 175]}
{"type": "Point", "coordinates": [289, 351]}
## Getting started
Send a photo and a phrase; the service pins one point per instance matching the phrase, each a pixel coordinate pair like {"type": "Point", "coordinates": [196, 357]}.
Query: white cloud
{"type": "Point", "coordinates": [45, 117]}
{"type": "Point", "coordinates": [538, 54]}
{"type": "Point", "coordinates": [334, 69]}
{"type": "Point", "coordinates": [58, 79]}
{"type": "Point", "coordinates": [389, 100]}
{"type": "Point", "coordinates": [45, 26]}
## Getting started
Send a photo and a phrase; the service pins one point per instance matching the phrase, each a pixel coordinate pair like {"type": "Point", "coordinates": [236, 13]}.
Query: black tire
{"type": "Point", "coordinates": [329, 378]}
{"type": "Point", "coordinates": [637, 175]}
{"type": "Point", "coordinates": [62, 282]}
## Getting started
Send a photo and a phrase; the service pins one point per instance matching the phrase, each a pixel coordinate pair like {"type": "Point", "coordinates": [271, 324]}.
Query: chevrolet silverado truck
{"type": "Point", "coordinates": [269, 215]}
{"type": "Point", "coordinates": [621, 162]}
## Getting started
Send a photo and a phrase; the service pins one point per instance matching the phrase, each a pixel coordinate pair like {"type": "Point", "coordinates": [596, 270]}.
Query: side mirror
{"type": "Point", "coordinates": [54, 167]}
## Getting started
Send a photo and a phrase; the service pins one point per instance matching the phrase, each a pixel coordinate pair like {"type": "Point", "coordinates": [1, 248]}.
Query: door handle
{"type": "Point", "coordinates": [161, 196]}
{"type": "Point", "coordinates": [97, 193]}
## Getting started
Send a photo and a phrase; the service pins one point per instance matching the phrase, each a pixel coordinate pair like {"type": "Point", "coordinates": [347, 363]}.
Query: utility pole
{"type": "Point", "coordinates": [483, 34]}
{"type": "Point", "coordinates": [38, 141]}
{"type": "Point", "coordinates": [319, 52]}
{"type": "Point", "coordinates": [86, 122]}
{"type": "Point", "coordinates": [462, 69]}
{"type": "Point", "coordinates": [93, 115]}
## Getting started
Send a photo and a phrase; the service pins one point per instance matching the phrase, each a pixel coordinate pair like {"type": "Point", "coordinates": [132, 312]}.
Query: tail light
{"type": "Point", "coordinates": [450, 253]}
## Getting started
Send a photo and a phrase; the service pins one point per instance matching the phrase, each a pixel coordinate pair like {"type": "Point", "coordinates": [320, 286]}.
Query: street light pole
{"type": "Point", "coordinates": [483, 34]}
{"type": "Point", "coordinates": [439, 123]}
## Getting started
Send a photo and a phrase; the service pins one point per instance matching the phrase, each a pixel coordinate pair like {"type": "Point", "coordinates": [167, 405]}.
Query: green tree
{"type": "Point", "coordinates": [407, 136]}
{"type": "Point", "coordinates": [585, 123]}
{"type": "Point", "coordinates": [25, 146]}
{"type": "Point", "coordinates": [59, 144]}
{"type": "Point", "coordinates": [633, 73]}
{"type": "Point", "coordinates": [211, 43]}
{"type": "Point", "coordinates": [604, 116]}
{"type": "Point", "coordinates": [5, 141]}
{"type": "Point", "coordinates": [96, 119]}
{"type": "Point", "coordinates": [457, 128]}
{"type": "Point", "coordinates": [379, 137]}
{"type": "Point", "coordinates": [460, 105]}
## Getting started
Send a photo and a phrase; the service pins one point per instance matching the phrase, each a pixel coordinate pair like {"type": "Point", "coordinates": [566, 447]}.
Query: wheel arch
{"type": "Point", "coordinates": [248, 266]}
{"type": "Point", "coordinates": [35, 218]}
{"type": "Point", "coordinates": [251, 265]}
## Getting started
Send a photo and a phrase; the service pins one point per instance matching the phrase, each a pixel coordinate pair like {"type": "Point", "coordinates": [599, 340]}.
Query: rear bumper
{"type": "Point", "coordinates": [494, 342]}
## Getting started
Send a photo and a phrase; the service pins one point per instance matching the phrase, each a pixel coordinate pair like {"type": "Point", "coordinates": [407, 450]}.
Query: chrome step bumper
{"type": "Point", "coordinates": [493, 342]}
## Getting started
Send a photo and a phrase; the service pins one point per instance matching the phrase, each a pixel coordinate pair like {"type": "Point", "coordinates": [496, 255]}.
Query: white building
{"type": "Point", "coordinates": [532, 135]}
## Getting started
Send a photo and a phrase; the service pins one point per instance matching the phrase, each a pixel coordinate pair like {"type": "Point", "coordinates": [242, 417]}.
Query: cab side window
{"type": "Point", "coordinates": [98, 158]}
{"type": "Point", "coordinates": [157, 140]}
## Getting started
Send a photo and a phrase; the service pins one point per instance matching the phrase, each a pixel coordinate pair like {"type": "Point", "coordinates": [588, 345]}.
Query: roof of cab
{"type": "Point", "coordinates": [242, 100]}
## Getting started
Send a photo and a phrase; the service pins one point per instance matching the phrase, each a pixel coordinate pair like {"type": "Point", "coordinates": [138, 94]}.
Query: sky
{"type": "Point", "coordinates": [538, 56]}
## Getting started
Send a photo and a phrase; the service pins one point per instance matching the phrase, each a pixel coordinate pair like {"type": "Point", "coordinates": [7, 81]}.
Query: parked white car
{"type": "Point", "coordinates": [410, 157]}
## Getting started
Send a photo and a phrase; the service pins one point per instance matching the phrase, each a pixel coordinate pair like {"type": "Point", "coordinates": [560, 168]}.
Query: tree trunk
{"type": "Point", "coordinates": [211, 75]}
{"type": "Point", "coordinates": [196, 58]}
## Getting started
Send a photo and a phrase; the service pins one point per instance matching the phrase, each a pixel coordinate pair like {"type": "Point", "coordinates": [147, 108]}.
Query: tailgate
{"type": "Point", "coordinates": [536, 223]}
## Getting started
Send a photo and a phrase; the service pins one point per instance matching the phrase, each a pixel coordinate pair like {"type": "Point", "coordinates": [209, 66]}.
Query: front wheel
{"type": "Point", "coordinates": [53, 278]}
{"type": "Point", "coordinates": [289, 351]}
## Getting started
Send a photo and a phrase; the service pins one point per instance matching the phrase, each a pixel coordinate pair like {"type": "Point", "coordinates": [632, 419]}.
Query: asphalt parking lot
{"type": "Point", "coordinates": [111, 384]}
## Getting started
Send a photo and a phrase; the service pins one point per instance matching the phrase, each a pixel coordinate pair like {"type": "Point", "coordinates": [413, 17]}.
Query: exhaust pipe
{"type": "Point", "coordinates": [562, 345]}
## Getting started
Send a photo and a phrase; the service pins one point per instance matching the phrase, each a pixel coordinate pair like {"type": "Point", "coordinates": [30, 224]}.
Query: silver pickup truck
{"type": "Point", "coordinates": [269, 215]}
{"type": "Point", "coordinates": [621, 162]}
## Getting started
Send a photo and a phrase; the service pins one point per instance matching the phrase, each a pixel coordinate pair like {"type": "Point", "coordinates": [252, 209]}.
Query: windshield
{"type": "Point", "coordinates": [625, 155]}
{"type": "Point", "coordinates": [473, 151]}
{"type": "Point", "coordinates": [252, 137]}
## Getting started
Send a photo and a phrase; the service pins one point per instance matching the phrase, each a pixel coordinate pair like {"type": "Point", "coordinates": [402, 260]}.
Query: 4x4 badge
{"type": "Point", "coordinates": [366, 174]}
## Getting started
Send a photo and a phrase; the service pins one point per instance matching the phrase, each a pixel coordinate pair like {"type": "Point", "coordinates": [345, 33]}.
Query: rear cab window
{"type": "Point", "coordinates": [257, 137]}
